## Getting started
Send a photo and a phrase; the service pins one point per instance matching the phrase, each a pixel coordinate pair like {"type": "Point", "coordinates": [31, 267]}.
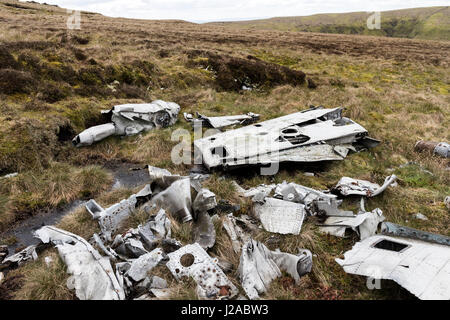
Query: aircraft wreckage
{"type": "Point", "coordinates": [221, 122]}
{"type": "Point", "coordinates": [115, 265]}
{"type": "Point", "coordinates": [316, 134]}
{"type": "Point", "coordinates": [418, 261]}
{"type": "Point", "coordinates": [130, 119]}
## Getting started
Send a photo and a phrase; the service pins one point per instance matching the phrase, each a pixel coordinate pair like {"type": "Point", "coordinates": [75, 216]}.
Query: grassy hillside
{"type": "Point", "coordinates": [54, 82]}
{"type": "Point", "coordinates": [417, 23]}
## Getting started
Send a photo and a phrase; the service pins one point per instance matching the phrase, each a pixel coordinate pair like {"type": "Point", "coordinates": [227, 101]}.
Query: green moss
{"type": "Point", "coordinates": [414, 176]}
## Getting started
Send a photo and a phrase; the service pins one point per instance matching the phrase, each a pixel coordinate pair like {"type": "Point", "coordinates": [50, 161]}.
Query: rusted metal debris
{"type": "Point", "coordinates": [312, 135]}
{"type": "Point", "coordinates": [222, 121]}
{"type": "Point", "coordinates": [441, 149]}
{"type": "Point", "coordinates": [130, 119]}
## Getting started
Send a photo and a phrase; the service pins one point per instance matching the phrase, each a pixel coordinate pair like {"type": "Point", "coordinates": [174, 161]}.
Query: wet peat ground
{"type": "Point", "coordinates": [23, 231]}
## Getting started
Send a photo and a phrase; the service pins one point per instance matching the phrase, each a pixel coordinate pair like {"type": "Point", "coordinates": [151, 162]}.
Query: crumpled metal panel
{"type": "Point", "coordinates": [259, 266]}
{"type": "Point", "coordinates": [306, 196]}
{"type": "Point", "coordinates": [365, 224]}
{"type": "Point", "coordinates": [146, 237]}
{"type": "Point", "coordinates": [131, 248]}
{"type": "Point", "coordinates": [204, 201]}
{"type": "Point", "coordinates": [237, 236]}
{"type": "Point", "coordinates": [222, 121]}
{"type": "Point", "coordinates": [27, 254]}
{"type": "Point", "coordinates": [314, 201]}
{"type": "Point", "coordinates": [172, 192]}
{"type": "Point", "coordinates": [92, 276]}
{"type": "Point", "coordinates": [204, 231]}
{"type": "Point", "coordinates": [260, 191]}
{"type": "Point", "coordinates": [158, 227]}
{"type": "Point", "coordinates": [348, 186]}
{"type": "Point", "coordinates": [280, 216]}
{"type": "Point", "coordinates": [193, 261]}
{"type": "Point", "coordinates": [311, 135]}
{"type": "Point", "coordinates": [145, 263]}
{"type": "Point", "coordinates": [176, 199]}
{"type": "Point", "coordinates": [108, 251]}
{"type": "Point", "coordinates": [110, 219]}
{"type": "Point", "coordinates": [420, 267]}
{"type": "Point", "coordinates": [131, 119]}
{"type": "Point", "coordinates": [295, 265]}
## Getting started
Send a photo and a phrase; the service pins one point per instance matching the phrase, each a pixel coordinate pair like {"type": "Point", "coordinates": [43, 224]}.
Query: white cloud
{"type": "Point", "coordinates": [216, 10]}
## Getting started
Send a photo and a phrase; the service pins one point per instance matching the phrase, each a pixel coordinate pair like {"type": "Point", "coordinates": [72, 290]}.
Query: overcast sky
{"type": "Point", "coordinates": [222, 10]}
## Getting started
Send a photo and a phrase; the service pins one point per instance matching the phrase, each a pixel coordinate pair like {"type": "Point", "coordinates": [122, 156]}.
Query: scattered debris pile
{"type": "Point", "coordinates": [312, 135]}
{"type": "Point", "coordinates": [114, 265]}
{"type": "Point", "coordinates": [117, 265]}
{"type": "Point", "coordinates": [291, 203]}
{"type": "Point", "coordinates": [131, 119]}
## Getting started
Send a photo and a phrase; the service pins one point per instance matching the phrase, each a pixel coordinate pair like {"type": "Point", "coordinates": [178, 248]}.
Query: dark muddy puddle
{"type": "Point", "coordinates": [23, 232]}
{"type": "Point", "coordinates": [126, 178]}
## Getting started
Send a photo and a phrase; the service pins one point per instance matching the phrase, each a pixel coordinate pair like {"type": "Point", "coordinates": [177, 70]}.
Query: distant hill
{"type": "Point", "coordinates": [419, 23]}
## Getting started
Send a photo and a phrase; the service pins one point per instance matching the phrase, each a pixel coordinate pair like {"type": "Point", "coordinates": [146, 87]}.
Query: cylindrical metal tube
{"type": "Point", "coordinates": [94, 134]}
